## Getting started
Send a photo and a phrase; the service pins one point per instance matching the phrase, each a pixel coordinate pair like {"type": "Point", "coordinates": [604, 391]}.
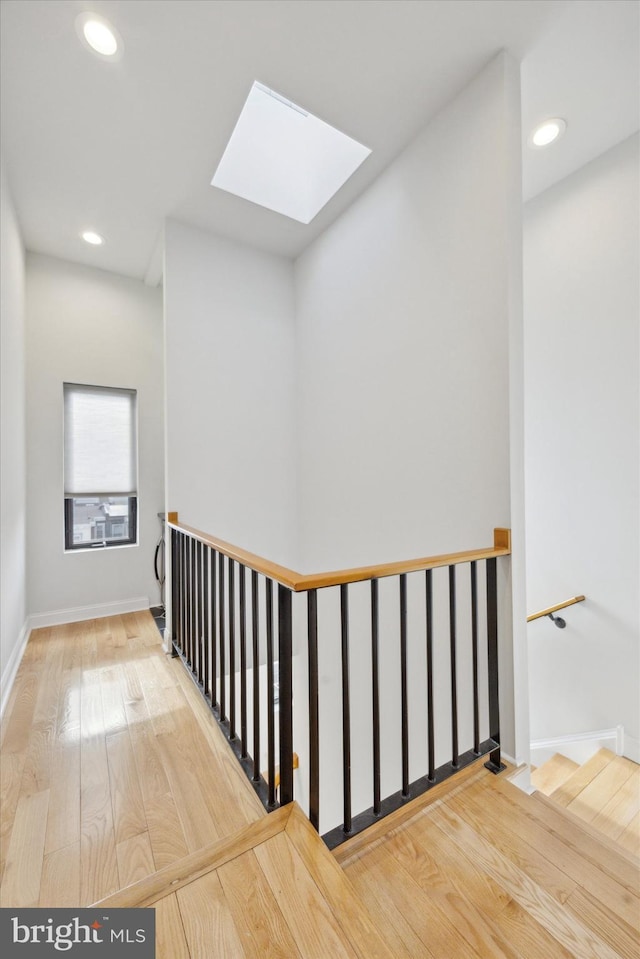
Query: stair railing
{"type": "Point", "coordinates": [225, 604]}
{"type": "Point", "coordinates": [550, 610]}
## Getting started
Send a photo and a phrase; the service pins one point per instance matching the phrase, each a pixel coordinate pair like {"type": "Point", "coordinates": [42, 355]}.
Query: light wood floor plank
{"type": "Point", "coordinates": [258, 917]}
{"type": "Point", "coordinates": [435, 930]}
{"type": "Point", "coordinates": [618, 812]}
{"type": "Point", "coordinates": [456, 907]}
{"type": "Point", "coordinates": [534, 898]}
{"type": "Point", "coordinates": [396, 932]}
{"type": "Point", "coordinates": [60, 884]}
{"type": "Point", "coordinates": [111, 683]}
{"type": "Point", "coordinates": [207, 921]}
{"type": "Point", "coordinates": [16, 726]}
{"type": "Point", "coordinates": [452, 870]}
{"type": "Point", "coordinates": [530, 938]}
{"type": "Point", "coordinates": [166, 834]}
{"type": "Point", "coordinates": [195, 816]}
{"type": "Point", "coordinates": [151, 773]}
{"type": "Point", "coordinates": [552, 774]}
{"type": "Point", "coordinates": [126, 797]}
{"type": "Point", "coordinates": [558, 855]}
{"type": "Point", "coordinates": [135, 859]}
{"type": "Point", "coordinates": [171, 942]}
{"type": "Point", "coordinates": [629, 839]}
{"type": "Point", "coordinates": [23, 869]}
{"type": "Point", "coordinates": [305, 911]}
{"type": "Point", "coordinates": [63, 824]}
{"type": "Point", "coordinates": [330, 879]}
{"type": "Point", "coordinates": [590, 912]}
{"type": "Point", "coordinates": [516, 839]}
{"type": "Point", "coordinates": [11, 766]}
{"type": "Point", "coordinates": [595, 848]}
{"type": "Point", "coordinates": [574, 785]}
{"type": "Point", "coordinates": [595, 796]}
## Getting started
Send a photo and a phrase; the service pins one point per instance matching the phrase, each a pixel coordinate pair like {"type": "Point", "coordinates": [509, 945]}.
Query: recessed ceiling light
{"type": "Point", "coordinates": [547, 132]}
{"type": "Point", "coordinates": [99, 36]}
{"type": "Point", "coordinates": [284, 158]}
{"type": "Point", "coordinates": [89, 236]}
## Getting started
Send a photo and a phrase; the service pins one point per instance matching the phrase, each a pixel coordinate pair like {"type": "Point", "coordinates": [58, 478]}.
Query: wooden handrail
{"type": "Point", "coordinates": [553, 609]}
{"type": "Point", "coordinates": [300, 582]}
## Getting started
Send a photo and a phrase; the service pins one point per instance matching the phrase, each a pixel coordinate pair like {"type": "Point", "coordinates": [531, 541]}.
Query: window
{"type": "Point", "coordinates": [100, 466]}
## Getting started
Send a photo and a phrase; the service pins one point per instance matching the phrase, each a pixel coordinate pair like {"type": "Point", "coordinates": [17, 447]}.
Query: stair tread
{"type": "Point", "coordinates": [608, 847]}
{"type": "Point", "coordinates": [553, 773]}
{"type": "Point", "coordinates": [487, 870]}
{"type": "Point", "coordinates": [577, 781]}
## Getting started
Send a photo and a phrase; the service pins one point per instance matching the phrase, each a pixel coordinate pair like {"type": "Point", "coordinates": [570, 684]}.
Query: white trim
{"type": "Point", "coordinates": [630, 748]}
{"type": "Point", "coordinates": [57, 617]}
{"type": "Point", "coordinates": [616, 733]}
{"type": "Point", "coordinates": [11, 668]}
{"type": "Point", "coordinates": [509, 759]}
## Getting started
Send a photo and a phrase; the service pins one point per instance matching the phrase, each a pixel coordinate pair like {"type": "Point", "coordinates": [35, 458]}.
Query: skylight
{"type": "Point", "coordinates": [283, 158]}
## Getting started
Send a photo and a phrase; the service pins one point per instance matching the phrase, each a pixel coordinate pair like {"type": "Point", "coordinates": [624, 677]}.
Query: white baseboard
{"type": "Point", "coordinates": [579, 746]}
{"type": "Point", "coordinates": [11, 667]}
{"type": "Point", "coordinates": [76, 614]}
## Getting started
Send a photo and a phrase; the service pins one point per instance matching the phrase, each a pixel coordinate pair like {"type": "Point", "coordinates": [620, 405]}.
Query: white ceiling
{"type": "Point", "coordinates": [116, 147]}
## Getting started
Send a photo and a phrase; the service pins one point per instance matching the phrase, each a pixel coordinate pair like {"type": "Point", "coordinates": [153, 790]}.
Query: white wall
{"type": "Point", "coordinates": [230, 402]}
{"type": "Point", "coordinates": [404, 309]}
{"type": "Point", "coordinates": [13, 506]}
{"type": "Point", "coordinates": [582, 447]}
{"type": "Point", "coordinates": [85, 325]}
{"type": "Point", "coordinates": [403, 339]}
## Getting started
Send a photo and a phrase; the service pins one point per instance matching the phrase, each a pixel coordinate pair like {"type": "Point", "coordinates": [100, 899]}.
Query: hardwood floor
{"type": "Point", "coordinates": [111, 765]}
{"type": "Point", "coordinates": [272, 890]}
{"type": "Point", "coordinates": [604, 791]}
{"type": "Point", "coordinates": [117, 785]}
{"type": "Point", "coordinates": [487, 871]}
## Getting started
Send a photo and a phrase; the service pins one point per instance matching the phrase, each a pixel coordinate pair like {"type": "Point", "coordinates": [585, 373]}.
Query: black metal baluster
{"type": "Point", "coordinates": [175, 592]}
{"type": "Point", "coordinates": [243, 660]}
{"type": "Point", "coordinates": [194, 607]}
{"type": "Point", "coordinates": [346, 709]}
{"type": "Point", "coordinates": [221, 640]}
{"type": "Point", "coordinates": [185, 595]}
{"type": "Point", "coordinates": [430, 723]}
{"type": "Point", "coordinates": [256, 675]}
{"type": "Point", "coordinates": [474, 653]}
{"type": "Point", "coordinates": [404, 699]}
{"type": "Point", "coordinates": [285, 676]}
{"type": "Point", "coordinates": [314, 732]}
{"type": "Point", "coordinates": [494, 763]}
{"type": "Point", "coordinates": [375, 695]}
{"type": "Point", "coordinates": [232, 651]}
{"type": "Point", "coordinates": [206, 625]}
{"type": "Point", "coordinates": [214, 628]}
{"type": "Point", "coordinates": [198, 617]}
{"type": "Point", "coordinates": [190, 602]}
{"type": "Point", "coordinates": [454, 679]}
{"type": "Point", "coordinates": [271, 755]}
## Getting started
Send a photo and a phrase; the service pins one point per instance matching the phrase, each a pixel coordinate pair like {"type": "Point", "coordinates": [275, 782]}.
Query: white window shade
{"type": "Point", "coordinates": [99, 441]}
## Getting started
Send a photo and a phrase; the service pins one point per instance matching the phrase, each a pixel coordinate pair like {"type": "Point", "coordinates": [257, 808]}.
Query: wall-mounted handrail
{"type": "Point", "coordinates": [301, 582]}
{"type": "Point", "coordinates": [223, 601]}
{"type": "Point", "coordinates": [553, 609]}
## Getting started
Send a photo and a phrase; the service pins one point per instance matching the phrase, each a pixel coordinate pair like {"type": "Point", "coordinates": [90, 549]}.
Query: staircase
{"type": "Point", "coordinates": [471, 870]}
{"type": "Point", "coordinates": [604, 791]}
{"type": "Point", "coordinates": [158, 813]}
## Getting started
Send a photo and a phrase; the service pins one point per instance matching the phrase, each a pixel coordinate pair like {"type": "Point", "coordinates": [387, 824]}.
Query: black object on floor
{"type": "Point", "coordinates": [158, 614]}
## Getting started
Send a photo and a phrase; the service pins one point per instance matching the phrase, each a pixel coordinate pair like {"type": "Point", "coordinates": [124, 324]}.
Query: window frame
{"type": "Point", "coordinates": [132, 498]}
{"type": "Point", "coordinates": [87, 545]}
